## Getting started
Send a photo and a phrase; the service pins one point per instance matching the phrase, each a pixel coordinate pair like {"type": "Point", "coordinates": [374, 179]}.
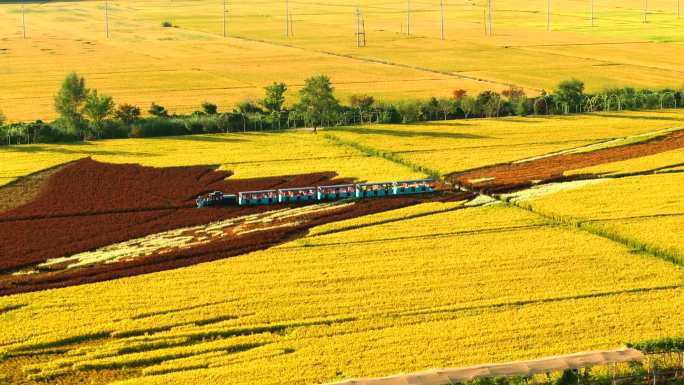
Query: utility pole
{"type": "Point", "coordinates": [678, 9]}
{"type": "Point", "coordinates": [287, 19]}
{"type": "Point", "coordinates": [107, 18]}
{"type": "Point", "coordinates": [408, 17]}
{"type": "Point", "coordinates": [645, 11]}
{"type": "Point", "coordinates": [441, 14]}
{"type": "Point", "coordinates": [489, 5]}
{"type": "Point", "coordinates": [225, 18]}
{"type": "Point", "coordinates": [548, 15]}
{"type": "Point", "coordinates": [592, 12]}
{"type": "Point", "coordinates": [23, 18]}
{"type": "Point", "coordinates": [360, 29]}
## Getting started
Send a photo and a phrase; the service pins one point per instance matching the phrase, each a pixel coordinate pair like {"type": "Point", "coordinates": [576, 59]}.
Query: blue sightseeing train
{"type": "Point", "coordinates": [317, 194]}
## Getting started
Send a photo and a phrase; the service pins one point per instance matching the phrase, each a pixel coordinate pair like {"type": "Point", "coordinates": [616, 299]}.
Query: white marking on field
{"type": "Point", "coordinates": [548, 189]}
{"type": "Point", "coordinates": [187, 237]}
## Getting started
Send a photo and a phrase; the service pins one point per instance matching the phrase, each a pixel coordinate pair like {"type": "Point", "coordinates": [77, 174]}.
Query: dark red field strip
{"type": "Point", "coordinates": [521, 175]}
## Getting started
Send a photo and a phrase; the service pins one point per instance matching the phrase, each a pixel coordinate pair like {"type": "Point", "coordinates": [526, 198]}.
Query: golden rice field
{"type": "Point", "coordinates": [450, 288]}
{"type": "Point", "coordinates": [248, 155]}
{"type": "Point", "coordinates": [647, 211]}
{"type": "Point", "coordinates": [181, 67]}
{"type": "Point", "coordinates": [443, 146]}
{"type": "Point", "coordinates": [431, 285]}
{"type": "Point", "coordinates": [466, 144]}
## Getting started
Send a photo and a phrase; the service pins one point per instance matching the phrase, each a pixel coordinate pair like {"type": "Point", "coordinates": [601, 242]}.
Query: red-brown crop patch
{"type": "Point", "coordinates": [87, 205]}
{"type": "Point", "coordinates": [514, 176]}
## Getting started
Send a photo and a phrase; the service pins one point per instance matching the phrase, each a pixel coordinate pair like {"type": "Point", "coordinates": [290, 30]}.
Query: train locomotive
{"type": "Point", "coordinates": [316, 194]}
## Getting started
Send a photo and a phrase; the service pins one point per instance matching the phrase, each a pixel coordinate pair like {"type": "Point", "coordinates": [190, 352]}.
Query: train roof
{"type": "Point", "coordinates": [258, 191]}
{"type": "Point", "coordinates": [414, 181]}
{"type": "Point", "coordinates": [338, 185]}
{"type": "Point", "coordinates": [373, 183]}
{"type": "Point", "coordinates": [297, 188]}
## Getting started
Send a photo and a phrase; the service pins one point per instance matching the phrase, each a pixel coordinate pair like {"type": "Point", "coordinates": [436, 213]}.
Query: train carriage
{"type": "Point", "coordinates": [300, 194]}
{"type": "Point", "coordinates": [340, 191]}
{"type": "Point", "coordinates": [372, 190]}
{"type": "Point", "coordinates": [413, 187]}
{"type": "Point", "coordinates": [263, 197]}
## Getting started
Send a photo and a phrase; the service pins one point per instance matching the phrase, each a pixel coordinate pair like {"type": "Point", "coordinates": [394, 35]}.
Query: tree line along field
{"type": "Point", "coordinates": [438, 284]}
{"type": "Point", "coordinates": [445, 147]}
{"type": "Point", "coordinates": [182, 67]}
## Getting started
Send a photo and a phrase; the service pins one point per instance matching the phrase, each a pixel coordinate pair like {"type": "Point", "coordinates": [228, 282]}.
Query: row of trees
{"type": "Point", "coordinates": [86, 114]}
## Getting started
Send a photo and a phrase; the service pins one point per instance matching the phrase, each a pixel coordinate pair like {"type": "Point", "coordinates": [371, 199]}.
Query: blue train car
{"type": "Point", "coordinates": [263, 197]}
{"type": "Point", "coordinates": [413, 187]}
{"type": "Point", "coordinates": [216, 198]}
{"type": "Point", "coordinates": [300, 194]}
{"type": "Point", "coordinates": [340, 191]}
{"type": "Point", "coordinates": [373, 190]}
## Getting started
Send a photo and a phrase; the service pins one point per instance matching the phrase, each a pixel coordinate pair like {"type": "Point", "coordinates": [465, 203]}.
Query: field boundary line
{"type": "Point", "coordinates": [595, 228]}
{"type": "Point", "coordinates": [388, 63]}
{"type": "Point", "coordinates": [519, 303]}
{"type": "Point", "coordinates": [491, 230]}
{"type": "Point", "coordinates": [390, 156]}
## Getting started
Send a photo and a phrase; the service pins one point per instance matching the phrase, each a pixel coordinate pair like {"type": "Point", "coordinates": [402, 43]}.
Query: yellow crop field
{"type": "Point", "coordinates": [248, 155]}
{"type": "Point", "coordinates": [181, 67]}
{"type": "Point", "coordinates": [646, 211]}
{"type": "Point", "coordinates": [375, 299]}
{"type": "Point", "coordinates": [461, 145]}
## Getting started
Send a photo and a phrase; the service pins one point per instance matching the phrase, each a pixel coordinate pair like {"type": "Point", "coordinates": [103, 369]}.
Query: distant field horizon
{"type": "Point", "coordinates": [181, 67]}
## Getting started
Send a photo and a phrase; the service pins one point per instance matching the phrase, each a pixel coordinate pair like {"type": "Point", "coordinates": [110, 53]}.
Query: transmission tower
{"type": "Point", "coordinates": [360, 30]}
{"type": "Point", "coordinates": [548, 15]}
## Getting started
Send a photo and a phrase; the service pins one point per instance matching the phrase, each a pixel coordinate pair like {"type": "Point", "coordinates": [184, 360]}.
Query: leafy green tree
{"type": "Point", "coordinates": [275, 97]}
{"type": "Point", "coordinates": [316, 100]}
{"type": "Point", "coordinates": [489, 103]}
{"type": "Point", "coordinates": [127, 113]}
{"type": "Point", "coordinates": [97, 108]}
{"type": "Point", "coordinates": [468, 105]}
{"type": "Point", "coordinates": [158, 111]}
{"type": "Point", "coordinates": [69, 102]}
{"type": "Point", "coordinates": [569, 94]}
{"type": "Point", "coordinates": [362, 104]}
{"type": "Point", "coordinates": [209, 108]}
{"type": "Point", "coordinates": [447, 106]}
{"type": "Point", "coordinates": [2, 118]}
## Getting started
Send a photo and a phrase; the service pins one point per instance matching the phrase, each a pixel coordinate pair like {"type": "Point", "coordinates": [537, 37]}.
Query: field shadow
{"type": "Point", "coordinates": [203, 138]}
{"type": "Point", "coordinates": [642, 117]}
{"type": "Point", "coordinates": [34, 149]}
{"type": "Point", "coordinates": [409, 133]}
